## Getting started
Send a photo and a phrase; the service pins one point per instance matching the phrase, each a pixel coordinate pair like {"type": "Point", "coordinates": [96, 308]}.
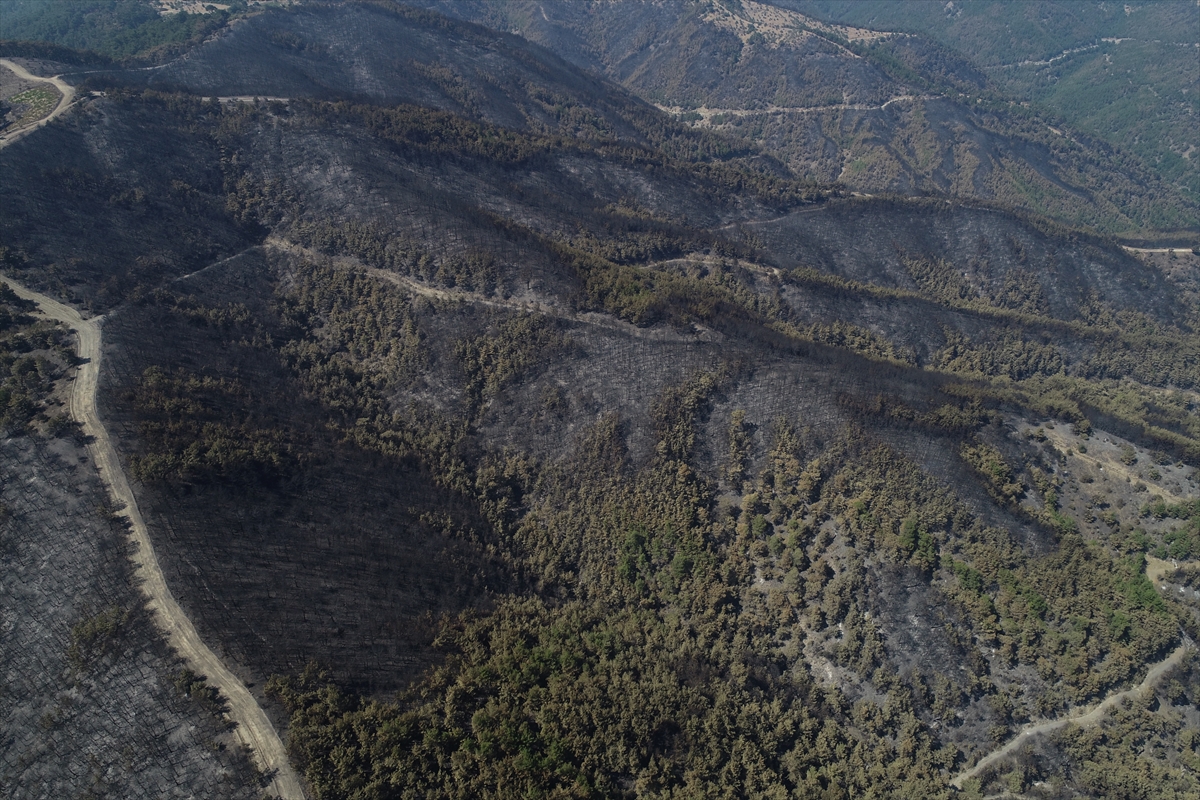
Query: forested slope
{"type": "Point", "coordinates": [610, 459]}
{"type": "Point", "coordinates": [1126, 73]}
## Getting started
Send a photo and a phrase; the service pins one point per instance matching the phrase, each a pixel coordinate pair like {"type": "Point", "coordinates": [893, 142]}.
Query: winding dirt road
{"type": "Point", "coordinates": [1179, 250]}
{"type": "Point", "coordinates": [707, 113]}
{"type": "Point", "coordinates": [64, 102]}
{"type": "Point", "coordinates": [1154, 571]}
{"type": "Point", "coordinates": [253, 728]}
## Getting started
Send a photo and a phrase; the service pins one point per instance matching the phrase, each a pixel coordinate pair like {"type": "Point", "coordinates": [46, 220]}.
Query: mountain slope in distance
{"type": "Point", "coordinates": [608, 459]}
{"type": "Point", "coordinates": [876, 110]}
{"type": "Point", "coordinates": [1125, 73]}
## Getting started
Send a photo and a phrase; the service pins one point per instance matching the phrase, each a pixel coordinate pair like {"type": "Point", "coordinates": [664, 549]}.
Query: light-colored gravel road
{"type": "Point", "coordinates": [254, 729]}
{"type": "Point", "coordinates": [1179, 250]}
{"type": "Point", "coordinates": [1154, 571]}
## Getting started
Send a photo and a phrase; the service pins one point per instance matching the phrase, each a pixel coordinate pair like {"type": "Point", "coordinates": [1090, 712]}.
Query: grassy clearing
{"type": "Point", "coordinates": [32, 105]}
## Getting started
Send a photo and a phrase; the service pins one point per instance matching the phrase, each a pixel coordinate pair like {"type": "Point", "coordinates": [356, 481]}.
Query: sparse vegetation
{"type": "Point", "coordinates": [95, 636]}
{"type": "Point", "coordinates": [196, 688]}
{"type": "Point", "coordinates": [31, 105]}
{"type": "Point", "coordinates": [33, 355]}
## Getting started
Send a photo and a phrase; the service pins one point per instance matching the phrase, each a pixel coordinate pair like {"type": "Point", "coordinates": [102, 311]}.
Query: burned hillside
{"type": "Point", "coordinates": [517, 436]}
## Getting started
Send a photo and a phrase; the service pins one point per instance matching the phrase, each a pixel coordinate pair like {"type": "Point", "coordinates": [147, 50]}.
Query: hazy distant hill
{"type": "Point", "coordinates": [878, 112]}
{"type": "Point", "coordinates": [1126, 73]}
{"type": "Point", "coordinates": [385, 53]}
{"type": "Point", "coordinates": [112, 29]}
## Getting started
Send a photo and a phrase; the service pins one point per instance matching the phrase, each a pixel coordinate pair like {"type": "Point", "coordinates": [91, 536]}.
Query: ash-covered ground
{"type": "Point", "coordinates": [92, 701]}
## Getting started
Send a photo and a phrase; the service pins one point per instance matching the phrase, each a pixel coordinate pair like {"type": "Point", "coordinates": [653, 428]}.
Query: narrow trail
{"type": "Point", "coordinates": [64, 102]}
{"type": "Point", "coordinates": [708, 113]}
{"type": "Point", "coordinates": [591, 318]}
{"type": "Point", "coordinates": [1127, 249]}
{"type": "Point", "coordinates": [253, 98]}
{"type": "Point", "coordinates": [253, 729]}
{"type": "Point", "coordinates": [1044, 62]}
{"type": "Point", "coordinates": [1085, 48]}
{"type": "Point", "coordinates": [1155, 568]}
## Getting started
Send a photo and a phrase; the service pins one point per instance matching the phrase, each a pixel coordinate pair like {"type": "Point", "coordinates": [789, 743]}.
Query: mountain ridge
{"type": "Point", "coordinates": [972, 141]}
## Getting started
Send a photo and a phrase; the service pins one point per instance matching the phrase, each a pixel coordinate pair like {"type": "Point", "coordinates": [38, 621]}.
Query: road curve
{"type": "Point", "coordinates": [64, 102]}
{"type": "Point", "coordinates": [1154, 570]}
{"type": "Point", "coordinates": [253, 728]}
{"type": "Point", "coordinates": [1089, 718]}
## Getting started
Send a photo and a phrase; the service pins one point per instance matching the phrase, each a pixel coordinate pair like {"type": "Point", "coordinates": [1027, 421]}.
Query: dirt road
{"type": "Point", "coordinates": [1178, 250]}
{"type": "Point", "coordinates": [662, 333]}
{"type": "Point", "coordinates": [1106, 462]}
{"type": "Point", "coordinates": [1154, 570]}
{"type": "Point", "coordinates": [706, 114]}
{"type": "Point", "coordinates": [64, 102]}
{"type": "Point", "coordinates": [253, 727]}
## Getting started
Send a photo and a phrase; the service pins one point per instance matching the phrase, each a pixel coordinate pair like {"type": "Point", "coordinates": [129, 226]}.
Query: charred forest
{"type": "Point", "coordinates": [510, 435]}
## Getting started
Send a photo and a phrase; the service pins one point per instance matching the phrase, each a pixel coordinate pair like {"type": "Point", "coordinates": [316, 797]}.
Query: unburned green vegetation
{"type": "Point", "coordinates": [30, 105]}
{"type": "Point", "coordinates": [33, 355]}
{"type": "Point", "coordinates": [1183, 540]}
{"type": "Point", "coordinates": [95, 636]}
{"type": "Point", "coordinates": [105, 29]}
